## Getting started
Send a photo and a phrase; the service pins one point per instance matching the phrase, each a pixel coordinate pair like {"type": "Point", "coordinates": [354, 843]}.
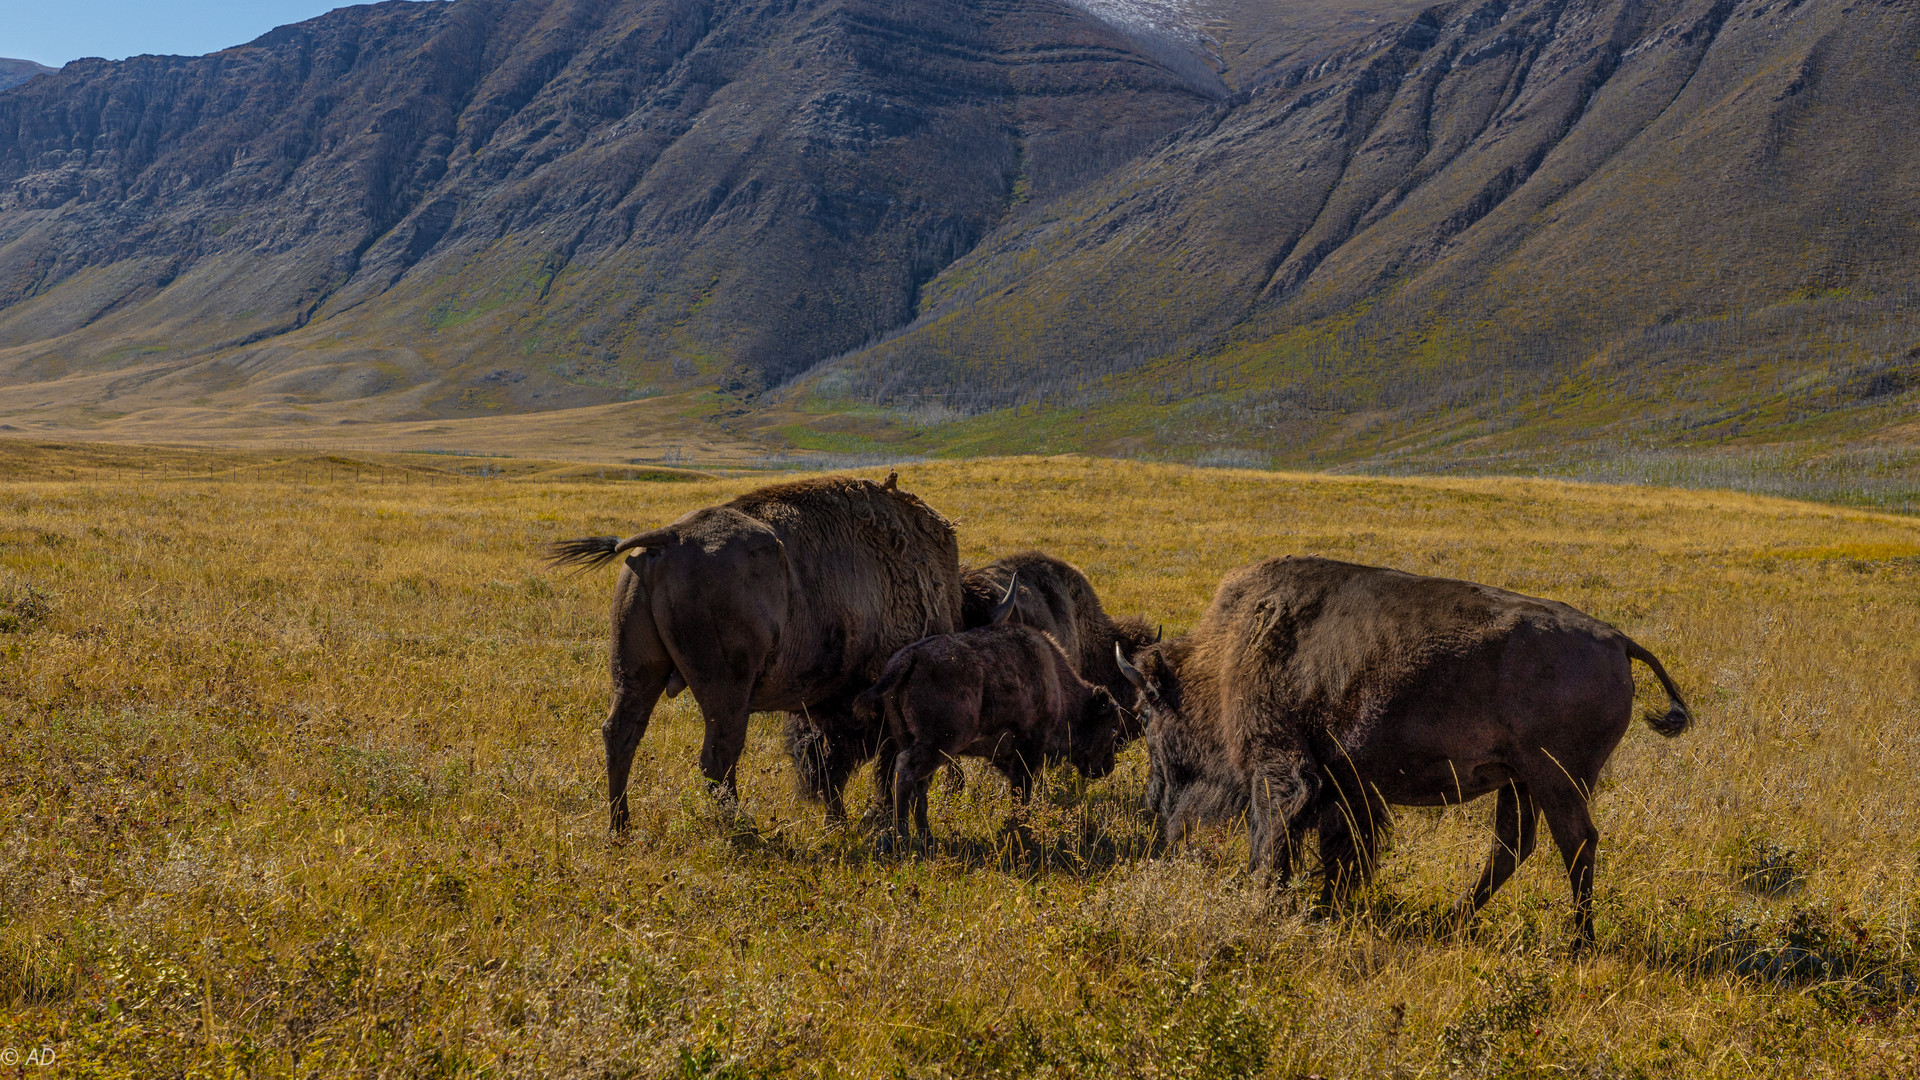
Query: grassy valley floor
{"type": "Point", "coordinates": [300, 775]}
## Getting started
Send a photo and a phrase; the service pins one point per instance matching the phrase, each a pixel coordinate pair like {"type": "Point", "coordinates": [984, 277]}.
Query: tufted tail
{"type": "Point", "coordinates": [1677, 717]}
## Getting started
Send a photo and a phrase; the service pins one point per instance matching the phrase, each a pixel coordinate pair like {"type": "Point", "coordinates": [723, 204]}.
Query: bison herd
{"type": "Point", "coordinates": [1312, 695]}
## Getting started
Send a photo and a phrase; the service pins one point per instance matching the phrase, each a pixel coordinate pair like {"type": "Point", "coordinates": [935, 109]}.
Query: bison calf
{"type": "Point", "coordinates": [1056, 598]}
{"type": "Point", "coordinates": [1005, 693]}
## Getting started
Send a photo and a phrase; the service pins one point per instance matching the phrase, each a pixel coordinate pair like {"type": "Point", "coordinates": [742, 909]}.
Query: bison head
{"type": "Point", "coordinates": [1173, 771]}
{"type": "Point", "coordinates": [1130, 635]}
{"type": "Point", "coordinates": [1096, 737]}
{"type": "Point", "coordinates": [1152, 679]}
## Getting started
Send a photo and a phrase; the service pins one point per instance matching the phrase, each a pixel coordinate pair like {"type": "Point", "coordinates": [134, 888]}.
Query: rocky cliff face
{"type": "Point", "coordinates": [545, 201]}
{"type": "Point", "coordinates": [1482, 187]}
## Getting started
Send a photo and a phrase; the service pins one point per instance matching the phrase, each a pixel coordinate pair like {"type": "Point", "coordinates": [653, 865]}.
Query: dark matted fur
{"type": "Point", "coordinates": [1314, 692]}
{"type": "Point", "coordinates": [787, 598]}
{"type": "Point", "coordinates": [1005, 693]}
{"type": "Point", "coordinates": [1056, 598]}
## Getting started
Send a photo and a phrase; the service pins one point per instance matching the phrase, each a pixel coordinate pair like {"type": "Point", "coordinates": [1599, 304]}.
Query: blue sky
{"type": "Point", "coordinates": [53, 32]}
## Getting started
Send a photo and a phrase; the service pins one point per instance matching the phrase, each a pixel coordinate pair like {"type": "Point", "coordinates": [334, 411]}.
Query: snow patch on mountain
{"type": "Point", "coordinates": [1182, 20]}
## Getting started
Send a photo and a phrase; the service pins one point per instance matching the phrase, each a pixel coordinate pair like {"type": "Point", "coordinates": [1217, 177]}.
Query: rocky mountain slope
{"type": "Point", "coordinates": [1485, 192]}
{"type": "Point", "coordinates": [1198, 223]}
{"type": "Point", "coordinates": [543, 202]}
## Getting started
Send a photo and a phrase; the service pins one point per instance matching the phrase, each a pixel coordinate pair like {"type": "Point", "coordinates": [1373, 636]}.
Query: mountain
{"type": "Point", "coordinates": [15, 72]}
{"type": "Point", "coordinates": [533, 203]}
{"type": "Point", "coordinates": [1695, 214]}
{"type": "Point", "coordinates": [1312, 229]}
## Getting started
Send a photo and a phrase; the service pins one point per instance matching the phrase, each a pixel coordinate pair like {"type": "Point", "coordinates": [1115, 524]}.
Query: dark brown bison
{"type": "Point", "coordinates": [1314, 692]}
{"type": "Point", "coordinates": [789, 598]}
{"type": "Point", "coordinates": [1001, 692]}
{"type": "Point", "coordinates": [1055, 597]}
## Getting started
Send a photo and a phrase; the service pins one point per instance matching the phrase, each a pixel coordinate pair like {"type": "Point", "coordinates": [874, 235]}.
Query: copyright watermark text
{"type": "Point", "coordinates": [35, 1056]}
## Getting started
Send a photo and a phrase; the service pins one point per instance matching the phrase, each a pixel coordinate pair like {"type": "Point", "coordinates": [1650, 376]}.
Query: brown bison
{"type": "Point", "coordinates": [1056, 598]}
{"type": "Point", "coordinates": [1001, 692]}
{"type": "Point", "coordinates": [1314, 692]}
{"type": "Point", "coordinates": [789, 598]}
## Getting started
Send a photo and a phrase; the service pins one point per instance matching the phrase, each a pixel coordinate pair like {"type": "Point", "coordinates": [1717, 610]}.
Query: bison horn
{"type": "Point", "coordinates": [1132, 673]}
{"type": "Point", "coordinates": [1158, 632]}
{"type": "Point", "coordinates": [1004, 608]}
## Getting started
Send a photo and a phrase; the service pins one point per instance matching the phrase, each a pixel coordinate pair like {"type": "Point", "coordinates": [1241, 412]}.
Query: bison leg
{"type": "Point", "coordinates": [719, 611]}
{"type": "Point", "coordinates": [1020, 783]}
{"type": "Point", "coordinates": [725, 739]}
{"type": "Point", "coordinates": [633, 701]}
{"type": "Point", "coordinates": [912, 771]}
{"type": "Point", "coordinates": [885, 762]}
{"type": "Point", "coordinates": [829, 743]}
{"type": "Point", "coordinates": [824, 758]}
{"type": "Point", "coordinates": [641, 669]}
{"type": "Point", "coordinates": [1513, 835]}
{"type": "Point", "coordinates": [920, 809]}
{"type": "Point", "coordinates": [1565, 807]}
{"type": "Point", "coordinates": [1350, 831]}
{"type": "Point", "coordinates": [839, 768]}
{"type": "Point", "coordinates": [1280, 795]}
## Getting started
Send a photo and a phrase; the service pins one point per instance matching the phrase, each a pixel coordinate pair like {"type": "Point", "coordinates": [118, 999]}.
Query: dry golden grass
{"type": "Point", "coordinates": [300, 775]}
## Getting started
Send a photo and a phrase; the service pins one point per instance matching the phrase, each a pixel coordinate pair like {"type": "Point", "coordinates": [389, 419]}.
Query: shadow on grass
{"type": "Point", "coordinates": [1854, 971]}
{"type": "Point", "coordinates": [1019, 849]}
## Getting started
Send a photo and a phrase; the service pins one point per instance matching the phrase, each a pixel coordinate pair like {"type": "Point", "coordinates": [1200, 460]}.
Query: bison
{"type": "Point", "coordinates": [1002, 692]}
{"type": "Point", "coordinates": [1315, 692]}
{"type": "Point", "coordinates": [1056, 598]}
{"type": "Point", "coordinates": [790, 598]}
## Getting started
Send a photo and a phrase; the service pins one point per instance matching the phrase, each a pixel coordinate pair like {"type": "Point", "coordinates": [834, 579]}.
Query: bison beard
{"type": "Point", "coordinates": [1314, 693]}
{"type": "Point", "coordinates": [788, 598]}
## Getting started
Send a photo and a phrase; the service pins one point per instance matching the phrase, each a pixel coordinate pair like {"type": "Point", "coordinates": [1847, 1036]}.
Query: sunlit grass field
{"type": "Point", "coordinates": [300, 774]}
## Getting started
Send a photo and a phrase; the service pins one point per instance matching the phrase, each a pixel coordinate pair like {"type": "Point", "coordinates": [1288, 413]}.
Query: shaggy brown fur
{"type": "Point", "coordinates": [1004, 693]}
{"type": "Point", "coordinates": [1314, 692]}
{"type": "Point", "coordinates": [788, 598]}
{"type": "Point", "coordinates": [1056, 598]}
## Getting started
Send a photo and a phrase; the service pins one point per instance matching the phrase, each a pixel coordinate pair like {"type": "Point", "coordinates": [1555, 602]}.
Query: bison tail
{"type": "Point", "coordinates": [585, 552]}
{"type": "Point", "coordinates": [1677, 718]}
{"type": "Point", "coordinates": [869, 709]}
{"type": "Point", "coordinates": [591, 551]}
